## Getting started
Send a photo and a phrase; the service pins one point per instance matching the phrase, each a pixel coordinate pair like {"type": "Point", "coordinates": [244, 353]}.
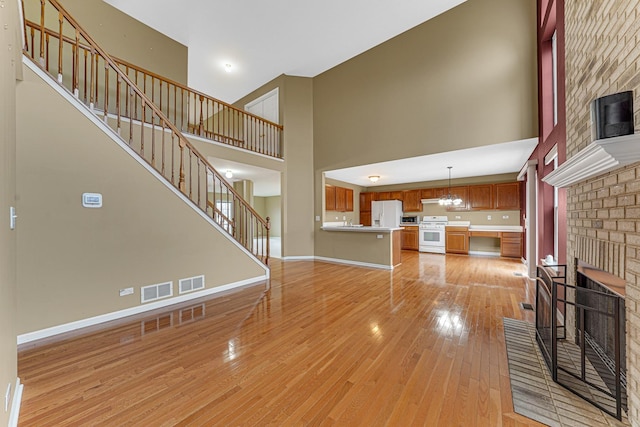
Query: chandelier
{"type": "Point", "coordinates": [449, 200]}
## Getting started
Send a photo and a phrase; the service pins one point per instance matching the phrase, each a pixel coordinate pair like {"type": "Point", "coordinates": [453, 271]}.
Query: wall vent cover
{"type": "Point", "coordinates": [156, 292]}
{"type": "Point", "coordinates": [191, 284]}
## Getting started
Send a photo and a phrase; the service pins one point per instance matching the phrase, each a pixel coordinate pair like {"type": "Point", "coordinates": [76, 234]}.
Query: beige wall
{"type": "Point", "coordinates": [603, 57]}
{"type": "Point", "coordinates": [9, 62]}
{"type": "Point", "coordinates": [464, 79]}
{"type": "Point", "coordinates": [72, 260]}
{"type": "Point", "coordinates": [124, 37]}
{"type": "Point", "coordinates": [273, 210]}
{"type": "Point", "coordinates": [296, 114]}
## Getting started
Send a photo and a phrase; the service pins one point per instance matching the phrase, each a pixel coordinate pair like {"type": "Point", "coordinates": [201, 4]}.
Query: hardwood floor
{"type": "Point", "coordinates": [327, 345]}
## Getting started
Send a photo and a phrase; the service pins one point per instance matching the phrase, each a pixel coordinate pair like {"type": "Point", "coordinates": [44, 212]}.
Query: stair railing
{"type": "Point", "coordinates": [71, 56]}
{"type": "Point", "coordinates": [191, 111]}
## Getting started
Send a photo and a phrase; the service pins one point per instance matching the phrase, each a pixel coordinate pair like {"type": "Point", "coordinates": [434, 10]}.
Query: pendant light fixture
{"type": "Point", "coordinates": [449, 200]}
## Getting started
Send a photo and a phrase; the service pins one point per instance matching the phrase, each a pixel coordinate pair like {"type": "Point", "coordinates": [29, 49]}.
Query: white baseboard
{"type": "Point", "coordinates": [91, 321]}
{"type": "Point", "coordinates": [15, 404]}
{"type": "Point", "coordinates": [485, 253]}
{"type": "Point", "coordinates": [299, 258]}
{"type": "Point", "coordinates": [357, 263]}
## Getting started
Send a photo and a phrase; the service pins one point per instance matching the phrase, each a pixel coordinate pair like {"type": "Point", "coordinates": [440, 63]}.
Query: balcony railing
{"type": "Point", "coordinates": [189, 110]}
{"type": "Point", "coordinates": [63, 49]}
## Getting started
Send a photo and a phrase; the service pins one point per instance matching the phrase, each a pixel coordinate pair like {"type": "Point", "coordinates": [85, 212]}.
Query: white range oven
{"type": "Point", "coordinates": [431, 234]}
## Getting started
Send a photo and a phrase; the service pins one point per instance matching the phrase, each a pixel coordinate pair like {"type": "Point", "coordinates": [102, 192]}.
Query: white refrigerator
{"type": "Point", "coordinates": [386, 213]}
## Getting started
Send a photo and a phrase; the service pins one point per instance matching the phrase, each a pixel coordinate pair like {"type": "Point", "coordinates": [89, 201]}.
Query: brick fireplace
{"type": "Point", "coordinates": [602, 45]}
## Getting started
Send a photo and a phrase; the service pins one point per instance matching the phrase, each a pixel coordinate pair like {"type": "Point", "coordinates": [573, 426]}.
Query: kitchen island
{"type": "Point", "coordinates": [378, 247]}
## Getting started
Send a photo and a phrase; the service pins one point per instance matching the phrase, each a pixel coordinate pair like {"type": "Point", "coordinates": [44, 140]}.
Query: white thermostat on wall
{"type": "Point", "coordinates": [92, 200]}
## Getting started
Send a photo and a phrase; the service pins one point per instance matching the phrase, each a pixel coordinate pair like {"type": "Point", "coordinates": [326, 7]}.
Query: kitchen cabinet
{"type": "Point", "coordinates": [338, 199]}
{"type": "Point", "coordinates": [481, 197]}
{"type": "Point", "coordinates": [463, 193]}
{"type": "Point", "coordinates": [410, 238]}
{"type": "Point", "coordinates": [365, 201]}
{"type": "Point", "coordinates": [330, 197]}
{"type": "Point", "coordinates": [432, 193]}
{"type": "Point", "coordinates": [365, 218]}
{"type": "Point", "coordinates": [341, 199]}
{"type": "Point", "coordinates": [411, 201]}
{"type": "Point", "coordinates": [511, 244]}
{"type": "Point", "coordinates": [390, 195]}
{"type": "Point", "coordinates": [457, 240]}
{"type": "Point", "coordinates": [349, 201]}
{"type": "Point", "coordinates": [507, 196]}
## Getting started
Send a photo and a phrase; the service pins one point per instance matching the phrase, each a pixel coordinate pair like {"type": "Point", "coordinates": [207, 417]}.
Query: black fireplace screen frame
{"type": "Point", "coordinates": [583, 367]}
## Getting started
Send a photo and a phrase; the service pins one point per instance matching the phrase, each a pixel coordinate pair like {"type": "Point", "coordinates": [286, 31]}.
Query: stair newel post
{"type": "Point", "coordinates": [76, 64]}
{"type": "Point", "coordinates": [42, 31]}
{"type": "Point", "coordinates": [118, 114]}
{"type": "Point", "coordinates": [60, 45]}
{"type": "Point", "coordinates": [131, 95]}
{"type": "Point", "coordinates": [106, 90]}
{"type": "Point", "coordinates": [181, 184]}
{"type": "Point", "coordinates": [201, 124]}
{"type": "Point", "coordinates": [96, 58]}
{"type": "Point", "coordinates": [268, 227]}
{"type": "Point", "coordinates": [91, 78]}
{"type": "Point", "coordinates": [163, 153]}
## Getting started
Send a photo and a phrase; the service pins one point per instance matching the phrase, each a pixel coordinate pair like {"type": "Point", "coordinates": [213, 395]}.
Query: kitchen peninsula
{"type": "Point", "coordinates": [378, 247]}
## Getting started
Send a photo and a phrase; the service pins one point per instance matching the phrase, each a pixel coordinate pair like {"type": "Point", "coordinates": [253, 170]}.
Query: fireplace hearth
{"type": "Point", "coordinates": [592, 363]}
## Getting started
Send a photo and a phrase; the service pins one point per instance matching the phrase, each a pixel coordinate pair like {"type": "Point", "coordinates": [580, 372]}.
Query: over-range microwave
{"type": "Point", "coordinates": [411, 219]}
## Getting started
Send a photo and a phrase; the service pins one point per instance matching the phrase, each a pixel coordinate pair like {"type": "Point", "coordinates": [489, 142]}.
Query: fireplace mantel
{"type": "Point", "coordinates": [602, 155]}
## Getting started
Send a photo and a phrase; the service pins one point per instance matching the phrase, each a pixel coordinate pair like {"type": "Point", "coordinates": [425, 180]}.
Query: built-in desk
{"type": "Point", "coordinates": [509, 236]}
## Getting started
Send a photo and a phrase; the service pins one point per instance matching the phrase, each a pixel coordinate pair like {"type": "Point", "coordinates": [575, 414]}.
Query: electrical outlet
{"type": "Point", "coordinates": [458, 217]}
{"type": "Point", "coordinates": [505, 216]}
{"type": "Point", "coordinates": [317, 218]}
{"type": "Point", "coordinates": [489, 217]}
{"type": "Point", "coordinates": [126, 291]}
{"type": "Point", "coordinates": [379, 236]}
{"type": "Point", "coordinates": [344, 218]}
{"type": "Point", "coordinates": [7, 398]}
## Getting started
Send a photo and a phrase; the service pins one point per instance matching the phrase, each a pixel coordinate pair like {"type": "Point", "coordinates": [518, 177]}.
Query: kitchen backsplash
{"type": "Point", "coordinates": [475, 217]}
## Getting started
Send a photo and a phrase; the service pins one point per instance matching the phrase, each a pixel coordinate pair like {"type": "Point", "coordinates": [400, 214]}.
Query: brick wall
{"type": "Point", "coordinates": [603, 57]}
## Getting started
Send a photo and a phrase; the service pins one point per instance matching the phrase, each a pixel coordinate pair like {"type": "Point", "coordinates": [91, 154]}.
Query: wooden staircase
{"type": "Point", "coordinates": [153, 128]}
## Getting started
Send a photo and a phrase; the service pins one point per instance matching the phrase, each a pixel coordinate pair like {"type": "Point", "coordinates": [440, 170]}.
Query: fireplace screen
{"type": "Point", "coordinates": [593, 364]}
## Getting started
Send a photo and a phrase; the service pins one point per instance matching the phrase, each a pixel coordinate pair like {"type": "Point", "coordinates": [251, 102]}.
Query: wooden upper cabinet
{"type": "Point", "coordinates": [432, 193]}
{"type": "Point", "coordinates": [507, 196]}
{"type": "Point", "coordinates": [463, 193]}
{"type": "Point", "coordinates": [481, 197]}
{"type": "Point", "coordinates": [365, 201]}
{"type": "Point", "coordinates": [341, 199]}
{"type": "Point", "coordinates": [330, 197]}
{"type": "Point", "coordinates": [390, 195]}
{"type": "Point", "coordinates": [411, 201]}
{"type": "Point", "coordinates": [349, 200]}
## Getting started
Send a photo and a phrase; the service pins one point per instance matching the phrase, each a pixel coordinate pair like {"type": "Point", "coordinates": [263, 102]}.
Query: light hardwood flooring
{"type": "Point", "coordinates": [328, 344]}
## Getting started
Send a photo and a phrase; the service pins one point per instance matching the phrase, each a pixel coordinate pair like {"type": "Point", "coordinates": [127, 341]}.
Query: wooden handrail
{"type": "Point", "coordinates": [150, 133]}
{"type": "Point", "coordinates": [251, 122]}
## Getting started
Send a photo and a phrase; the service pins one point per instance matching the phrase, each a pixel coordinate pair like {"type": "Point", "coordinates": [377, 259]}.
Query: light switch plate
{"type": "Point", "coordinates": [12, 218]}
{"type": "Point", "coordinates": [7, 398]}
{"type": "Point", "coordinates": [126, 291]}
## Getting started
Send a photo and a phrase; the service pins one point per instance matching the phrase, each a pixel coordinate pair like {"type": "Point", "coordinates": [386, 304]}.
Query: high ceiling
{"type": "Point", "coordinates": [262, 40]}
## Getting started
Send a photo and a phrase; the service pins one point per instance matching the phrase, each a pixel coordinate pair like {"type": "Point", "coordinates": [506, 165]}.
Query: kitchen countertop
{"type": "Point", "coordinates": [359, 228]}
{"type": "Point", "coordinates": [506, 228]}
{"type": "Point", "coordinates": [503, 228]}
